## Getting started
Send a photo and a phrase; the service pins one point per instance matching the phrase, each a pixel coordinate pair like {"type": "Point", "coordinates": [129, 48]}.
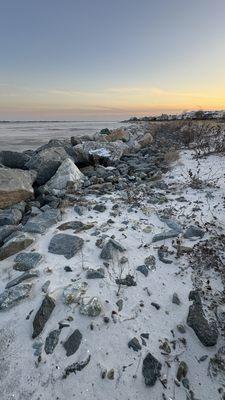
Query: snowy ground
{"type": "Point", "coordinates": [23, 378]}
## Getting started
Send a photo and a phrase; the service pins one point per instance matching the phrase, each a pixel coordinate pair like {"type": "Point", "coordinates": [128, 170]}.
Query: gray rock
{"type": "Point", "coordinates": [91, 152]}
{"type": "Point", "coordinates": [45, 287]}
{"type": "Point", "coordinates": [181, 329]}
{"type": "Point", "coordinates": [150, 261]}
{"type": "Point", "coordinates": [66, 245]}
{"type": "Point", "coordinates": [43, 221]}
{"type": "Point", "coordinates": [151, 369]}
{"type": "Point", "coordinates": [193, 231]}
{"type": "Point", "coordinates": [26, 261]}
{"type": "Point", "coordinates": [108, 249]}
{"type": "Point", "coordinates": [10, 217]}
{"type": "Point", "coordinates": [73, 342]}
{"type": "Point", "coordinates": [175, 299]}
{"type": "Point", "coordinates": [205, 330]}
{"type": "Point", "coordinates": [42, 315]}
{"type": "Point", "coordinates": [119, 304]}
{"type": "Point", "coordinates": [162, 252]}
{"type": "Point", "coordinates": [172, 224]}
{"type": "Point", "coordinates": [79, 210]}
{"type": "Point", "coordinates": [165, 235]}
{"type": "Point", "coordinates": [13, 159]}
{"type": "Point", "coordinates": [17, 243]}
{"type": "Point", "coordinates": [15, 186]}
{"type": "Point", "coordinates": [26, 275]}
{"type": "Point", "coordinates": [52, 341]}
{"type": "Point", "coordinates": [46, 162]}
{"type": "Point", "coordinates": [143, 269]}
{"type": "Point", "coordinates": [99, 207]}
{"type": "Point", "coordinates": [10, 297]}
{"type": "Point", "coordinates": [134, 344]}
{"type": "Point", "coordinates": [95, 273]}
{"type": "Point", "coordinates": [6, 231]}
{"type": "Point", "coordinates": [92, 308]}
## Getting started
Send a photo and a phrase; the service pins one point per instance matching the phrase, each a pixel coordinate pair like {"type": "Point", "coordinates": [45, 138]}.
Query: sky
{"type": "Point", "coordinates": [110, 59]}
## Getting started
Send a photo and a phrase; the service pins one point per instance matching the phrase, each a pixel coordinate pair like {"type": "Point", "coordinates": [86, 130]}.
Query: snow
{"type": "Point", "coordinates": [21, 378]}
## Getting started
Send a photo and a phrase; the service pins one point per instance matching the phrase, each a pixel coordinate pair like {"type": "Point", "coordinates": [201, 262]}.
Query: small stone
{"type": "Point", "coordinates": [143, 269]}
{"type": "Point", "coordinates": [110, 374]}
{"type": "Point", "coordinates": [99, 207]}
{"type": "Point", "coordinates": [145, 335]}
{"type": "Point", "coordinates": [45, 287]}
{"type": "Point", "coordinates": [67, 268]}
{"type": "Point", "coordinates": [79, 210]}
{"type": "Point", "coordinates": [175, 299]}
{"type": "Point", "coordinates": [106, 320]}
{"type": "Point", "coordinates": [92, 308]}
{"type": "Point", "coordinates": [181, 329]}
{"type": "Point", "coordinates": [75, 367]}
{"type": "Point", "coordinates": [95, 273]}
{"type": "Point", "coordinates": [123, 260]}
{"type": "Point", "coordinates": [134, 344]}
{"type": "Point", "coordinates": [73, 342]}
{"type": "Point", "coordinates": [52, 341]}
{"type": "Point", "coordinates": [73, 293]}
{"type": "Point", "coordinates": [186, 383]}
{"type": "Point", "coordinates": [182, 370]}
{"type": "Point", "coordinates": [42, 315]}
{"type": "Point", "coordinates": [150, 261]}
{"type": "Point", "coordinates": [194, 232]}
{"type": "Point", "coordinates": [151, 369]}
{"type": "Point", "coordinates": [165, 347]}
{"type": "Point", "coordinates": [156, 305]}
{"type": "Point", "coordinates": [109, 247]}
{"type": "Point", "coordinates": [119, 304]}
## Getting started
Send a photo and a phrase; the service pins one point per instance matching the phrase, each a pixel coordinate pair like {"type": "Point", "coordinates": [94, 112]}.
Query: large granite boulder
{"type": "Point", "coordinates": [16, 243]}
{"type": "Point", "coordinates": [53, 143]}
{"type": "Point", "coordinates": [68, 176]}
{"type": "Point", "coordinates": [46, 162]}
{"type": "Point", "coordinates": [15, 186]}
{"type": "Point", "coordinates": [105, 153]}
{"type": "Point", "coordinates": [14, 159]}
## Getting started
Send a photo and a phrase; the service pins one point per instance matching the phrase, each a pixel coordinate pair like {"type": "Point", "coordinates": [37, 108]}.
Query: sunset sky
{"type": "Point", "coordinates": [110, 59]}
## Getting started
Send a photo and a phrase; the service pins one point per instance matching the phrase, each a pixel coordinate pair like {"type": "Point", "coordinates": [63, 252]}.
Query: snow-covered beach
{"type": "Point", "coordinates": [140, 282]}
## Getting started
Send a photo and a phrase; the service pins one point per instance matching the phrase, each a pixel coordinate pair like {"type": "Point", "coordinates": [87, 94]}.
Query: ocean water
{"type": "Point", "coordinates": [19, 136]}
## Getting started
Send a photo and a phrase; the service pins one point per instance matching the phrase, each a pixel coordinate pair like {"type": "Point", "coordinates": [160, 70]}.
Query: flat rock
{"type": "Point", "coordinates": [175, 299]}
{"type": "Point", "coordinates": [13, 159]}
{"type": "Point", "coordinates": [143, 269]}
{"type": "Point", "coordinates": [17, 243]}
{"type": "Point", "coordinates": [194, 232]}
{"type": "Point", "coordinates": [66, 245]}
{"type": "Point", "coordinates": [205, 330]}
{"type": "Point", "coordinates": [77, 226]}
{"type": "Point", "coordinates": [10, 297]}
{"type": "Point", "coordinates": [73, 342]}
{"type": "Point", "coordinates": [127, 281]}
{"type": "Point", "coordinates": [26, 261]}
{"type": "Point", "coordinates": [42, 221]}
{"type": "Point", "coordinates": [10, 217]}
{"type": "Point", "coordinates": [52, 341]}
{"type": "Point", "coordinates": [15, 186]}
{"type": "Point", "coordinates": [42, 315]}
{"type": "Point", "coordinates": [92, 308]}
{"type": "Point", "coordinates": [165, 235]}
{"type": "Point", "coordinates": [151, 369]}
{"type": "Point", "coordinates": [23, 277]}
